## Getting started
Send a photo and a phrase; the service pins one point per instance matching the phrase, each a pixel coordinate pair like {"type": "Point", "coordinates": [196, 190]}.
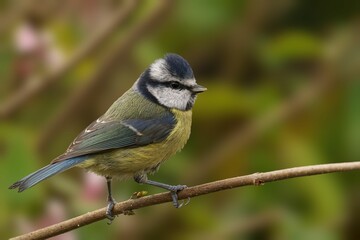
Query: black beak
{"type": "Point", "coordinates": [198, 88]}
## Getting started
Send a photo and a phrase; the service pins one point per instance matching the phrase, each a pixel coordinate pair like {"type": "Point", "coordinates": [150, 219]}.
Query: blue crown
{"type": "Point", "coordinates": [178, 66]}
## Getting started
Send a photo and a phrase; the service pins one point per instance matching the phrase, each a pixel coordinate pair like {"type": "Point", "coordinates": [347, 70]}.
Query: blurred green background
{"type": "Point", "coordinates": [283, 91]}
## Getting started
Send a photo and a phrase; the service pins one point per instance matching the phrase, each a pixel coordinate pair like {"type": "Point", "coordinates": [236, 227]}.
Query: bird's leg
{"type": "Point", "coordinates": [111, 201]}
{"type": "Point", "coordinates": [142, 178]}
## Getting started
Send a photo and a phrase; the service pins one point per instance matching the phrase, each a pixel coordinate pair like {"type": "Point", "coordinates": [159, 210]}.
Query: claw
{"type": "Point", "coordinates": [184, 203]}
{"type": "Point", "coordinates": [175, 201]}
{"type": "Point", "coordinates": [142, 178]}
{"type": "Point", "coordinates": [174, 196]}
{"type": "Point", "coordinates": [109, 210]}
{"type": "Point", "coordinates": [187, 201]}
{"type": "Point", "coordinates": [177, 188]}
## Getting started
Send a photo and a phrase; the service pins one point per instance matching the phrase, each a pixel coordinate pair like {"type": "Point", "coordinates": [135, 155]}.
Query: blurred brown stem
{"type": "Point", "coordinates": [32, 88]}
{"type": "Point", "coordinates": [256, 179]}
{"type": "Point", "coordinates": [111, 63]}
{"type": "Point", "coordinates": [15, 10]}
{"type": "Point", "coordinates": [245, 30]}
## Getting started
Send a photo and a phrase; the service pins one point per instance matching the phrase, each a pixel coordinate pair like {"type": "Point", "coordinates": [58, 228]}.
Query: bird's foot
{"type": "Point", "coordinates": [109, 210]}
{"type": "Point", "coordinates": [174, 190]}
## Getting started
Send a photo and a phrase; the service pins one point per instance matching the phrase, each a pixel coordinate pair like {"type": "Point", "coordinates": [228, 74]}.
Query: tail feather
{"type": "Point", "coordinates": [45, 172]}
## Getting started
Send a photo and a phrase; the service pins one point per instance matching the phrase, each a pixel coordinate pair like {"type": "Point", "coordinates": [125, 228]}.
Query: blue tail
{"type": "Point", "coordinates": [46, 172]}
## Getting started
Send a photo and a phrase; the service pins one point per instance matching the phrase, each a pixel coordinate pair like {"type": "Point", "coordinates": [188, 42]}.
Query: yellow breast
{"type": "Point", "coordinates": [125, 163]}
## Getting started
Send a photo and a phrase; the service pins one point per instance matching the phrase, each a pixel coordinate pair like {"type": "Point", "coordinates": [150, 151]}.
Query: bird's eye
{"type": "Point", "coordinates": [175, 85]}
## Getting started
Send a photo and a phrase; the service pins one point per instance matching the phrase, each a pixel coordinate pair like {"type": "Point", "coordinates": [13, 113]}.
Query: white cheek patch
{"type": "Point", "coordinates": [171, 98]}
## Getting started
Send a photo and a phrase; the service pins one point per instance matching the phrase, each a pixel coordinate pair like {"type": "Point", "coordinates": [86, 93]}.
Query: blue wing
{"type": "Point", "coordinates": [104, 135]}
{"type": "Point", "coordinates": [101, 136]}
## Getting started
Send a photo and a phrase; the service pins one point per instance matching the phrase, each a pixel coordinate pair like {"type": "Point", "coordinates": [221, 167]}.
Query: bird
{"type": "Point", "coordinates": [144, 127]}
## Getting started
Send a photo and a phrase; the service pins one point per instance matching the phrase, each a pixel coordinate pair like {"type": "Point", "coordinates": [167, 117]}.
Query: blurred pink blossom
{"type": "Point", "coordinates": [54, 212]}
{"type": "Point", "coordinates": [27, 39]}
{"type": "Point", "coordinates": [37, 49]}
{"type": "Point", "coordinates": [94, 186]}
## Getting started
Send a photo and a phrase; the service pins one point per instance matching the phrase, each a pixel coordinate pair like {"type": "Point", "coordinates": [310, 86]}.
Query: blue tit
{"type": "Point", "coordinates": [144, 127]}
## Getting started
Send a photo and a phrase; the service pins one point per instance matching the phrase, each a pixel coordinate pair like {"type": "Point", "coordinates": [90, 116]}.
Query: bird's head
{"type": "Point", "coordinates": [170, 82]}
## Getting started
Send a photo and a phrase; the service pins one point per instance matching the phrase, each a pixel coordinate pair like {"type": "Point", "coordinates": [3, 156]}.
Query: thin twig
{"type": "Point", "coordinates": [33, 88]}
{"type": "Point", "coordinates": [256, 179]}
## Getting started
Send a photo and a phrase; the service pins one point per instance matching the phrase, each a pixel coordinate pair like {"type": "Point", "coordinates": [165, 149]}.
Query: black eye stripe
{"type": "Point", "coordinates": [170, 85]}
{"type": "Point", "coordinates": [177, 85]}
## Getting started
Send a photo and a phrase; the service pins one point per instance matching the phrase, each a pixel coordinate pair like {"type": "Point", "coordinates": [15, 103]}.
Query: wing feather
{"type": "Point", "coordinates": [106, 135]}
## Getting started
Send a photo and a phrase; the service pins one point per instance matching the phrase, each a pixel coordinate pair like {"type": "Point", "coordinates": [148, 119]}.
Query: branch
{"type": "Point", "coordinates": [32, 88]}
{"type": "Point", "coordinates": [255, 179]}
